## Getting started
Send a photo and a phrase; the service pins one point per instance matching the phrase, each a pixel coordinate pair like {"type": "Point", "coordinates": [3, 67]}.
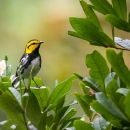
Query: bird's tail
{"type": "Point", "coordinates": [15, 82]}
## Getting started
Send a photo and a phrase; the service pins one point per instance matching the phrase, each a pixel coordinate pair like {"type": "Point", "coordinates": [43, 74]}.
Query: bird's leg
{"type": "Point", "coordinates": [35, 83]}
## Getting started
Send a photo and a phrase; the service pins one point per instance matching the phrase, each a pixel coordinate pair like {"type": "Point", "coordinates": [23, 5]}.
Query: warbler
{"type": "Point", "coordinates": [30, 62]}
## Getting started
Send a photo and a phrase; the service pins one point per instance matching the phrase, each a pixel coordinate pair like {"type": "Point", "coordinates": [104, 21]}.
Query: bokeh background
{"type": "Point", "coordinates": [62, 55]}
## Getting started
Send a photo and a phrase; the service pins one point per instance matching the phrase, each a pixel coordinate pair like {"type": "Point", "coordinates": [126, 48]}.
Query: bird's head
{"type": "Point", "coordinates": [33, 45]}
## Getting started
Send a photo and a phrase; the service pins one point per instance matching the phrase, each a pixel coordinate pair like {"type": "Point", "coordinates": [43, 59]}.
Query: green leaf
{"type": "Point", "coordinates": [42, 95]}
{"type": "Point", "coordinates": [60, 103]}
{"type": "Point", "coordinates": [16, 94]}
{"type": "Point", "coordinates": [110, 106]}
{"type": "Point", "coordinates": [49, 120]}
{"type": "Point", "coordinates": [103, 6]}
{"type": "Point", "coordinates": [118, 23]}
{"type": "Point", "coordinates": [118, 65]}
{"type": "Point", "coordinates": [25, 98]}
{"type": "Point", "coordinates": [98, 68]}
{"type": "Point", "coordinates": [123, 91]}
{"type": "Point", "coordinates": [91, 83]}
{"type": "Point", "coordinates": [69, 123]}
{"type": "Point", "coordinates": [109, 78]}
{"type": "Point", "coordinates": [111, 91]}
{"type": "Point", "coordinates": [90, 32]}
{"type": "Point", "coordinates": [106, 114]}
{"type": "Point", "coordinates": [12, 108]}
{"type": "Point", "coordinates": [3, 87]}
{"type": "Point", "coordinates": [120, 8]}
{"type": "Point", "coordinates": [75, 34]}
{"type": "Point", "coordinates": [90, 14]}
{"type": "Point", "coordinates": [68, 115]}
{"type": "Point", "coordinates": [100, 124]}
{"type": "Point", "coordinates": [42, 122]}
{"type": "Point", "coordinates": [33, 110]}
{"type": "Point", "coordinates": [84, 88]}
{"type": "Point", "coordinates": [60, 90]}
{"type": "Point", "coordinates": [60, 113]}
{"type": "Point", "coordinates": [84, 105]}
{"type": "Point", "coordinates": [38, 81]}
{"type": "Point", "coordinates": [81, 125]}
{"type": "Point", "coordinates": [88, 99]}
{"type": "Point", "coordinates": [127, 105]}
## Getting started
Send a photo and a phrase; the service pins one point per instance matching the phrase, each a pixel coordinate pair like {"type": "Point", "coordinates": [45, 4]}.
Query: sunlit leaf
{"type": "Point", "coordinates": [90, 14]}
{"type": "Point", "coordinates": [90, 32]}
{"type": "Point", "coordinates": [33, 110]}
{"type": "Point", "coordinates": [118, 23]}
{"type": "Point", "coordinates": [121, 8]}
{"type": "Point", "coordinates": [110, 106]}
{"type": "Point", "coordinates": [60, 90]}
{"type": "Point", "coordinates": [118, 65]}
{"type": "Point", "coordinates": [42, 95]}
{"type": "Point", "coordinates": [98, 68]}
{"type": "Point", "coordinates": [81, 125]}
{"type": "Point", "coordinates": [83, 104]}
{"type": "Point", "coordinates": [103, 6]}
{"type": "Point", "coordinates": [100, 124]}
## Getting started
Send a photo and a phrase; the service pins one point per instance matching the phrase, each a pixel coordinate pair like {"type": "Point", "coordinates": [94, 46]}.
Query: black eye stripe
{"type": "Point", "coordinates": [32, 44]}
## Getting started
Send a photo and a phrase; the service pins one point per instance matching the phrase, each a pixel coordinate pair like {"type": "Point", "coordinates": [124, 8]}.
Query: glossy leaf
{"type": "Point", "coordinates": [111, 91]}
{"type": "Point", "coordinates": [81, 125]}
{"type": "Point", "coordinates": [69, 114]}
{"type": "Point", "coordinates": [87, 29]}
{"type": "Point", "coordinates": [100, 124]}
{"type": "Point", "coordinates": [12, 108]}
{"type": "Point", "coordinates": [98, 68]}
{"type": "Point", "coordinates": [120, 8]}
{"type": "Point", "coordinates": [91, 83]}
{"type": "Point", "coordinates": [60, 113]}
{"type": "Point", "coordinates": [60, 103]}
{"type": "Point", "coordinates": [84, 105]}
{"type": "Point", "coordinates": [118, 65]}
{"type": "Point", "coordinates": [110, 106]}
{"type": "Point", "coordinates": [90, 14]}
{"type": "Point", "coordinates": [49, 120]}
{"type": "Point", "coordinates": [42, 122]}
{"type": "Point", "coordinates": [42, 95]}
{"type": "Point", "coordinates": [33, 110]}
{"type": "Point", "coordinates": [109, 78]}
{"type": "Point", "coordinates": [84, 88]}
{"type": "Point", "coordinates": [106, 114]}
{"type": "Point", "coordinates": [16, 94]}
{"type": "Point", "coordinates": [103, 6]}
{"type": "Point", "coordinates": [38, 81]}
{"type": "Point", "coordinates": [118, 23]}
{"type": "Point", "coordinates": [123, 91]}
{"type": "Point", "coordinates": [127, 105]}
{"type": "Point", "coordinates": [88, 99]}
{"type": "Point", "coordinates": [60, 90]}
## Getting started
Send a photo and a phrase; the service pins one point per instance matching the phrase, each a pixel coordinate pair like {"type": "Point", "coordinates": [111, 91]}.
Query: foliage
{"type": "Point", "coordinates": [36, 108]}
{"type": "Point", "coordinates": [106, 93]}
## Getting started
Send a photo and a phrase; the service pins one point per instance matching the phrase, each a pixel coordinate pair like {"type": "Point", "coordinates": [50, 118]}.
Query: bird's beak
{"type": "Point", "coordinates": [41, 42]}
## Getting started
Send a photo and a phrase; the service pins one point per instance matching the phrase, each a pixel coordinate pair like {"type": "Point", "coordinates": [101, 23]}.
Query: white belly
{"type": "Point", "coordinates": [32, 69]}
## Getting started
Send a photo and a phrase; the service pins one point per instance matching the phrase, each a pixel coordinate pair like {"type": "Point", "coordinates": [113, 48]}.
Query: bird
{"type": "Point", "coordinates": [30, 63]}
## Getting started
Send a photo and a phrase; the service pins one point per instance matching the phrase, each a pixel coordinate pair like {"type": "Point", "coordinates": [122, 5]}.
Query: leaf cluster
{"type": "Point", "coordinates": [36, 108]}
{"type": "Point", "coordinates": [90, 29]}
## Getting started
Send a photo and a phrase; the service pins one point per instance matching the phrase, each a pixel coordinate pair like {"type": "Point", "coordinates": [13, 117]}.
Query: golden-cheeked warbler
{"type": "Point", "coordinates": [30, 62]}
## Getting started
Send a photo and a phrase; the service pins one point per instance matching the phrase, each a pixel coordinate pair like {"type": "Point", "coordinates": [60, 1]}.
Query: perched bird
{"type": "Point", "coordinates": [30, 62]}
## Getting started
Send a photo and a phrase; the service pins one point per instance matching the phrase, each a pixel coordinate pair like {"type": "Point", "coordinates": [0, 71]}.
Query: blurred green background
{"type": "Point", "coordinates": [62, 55]}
